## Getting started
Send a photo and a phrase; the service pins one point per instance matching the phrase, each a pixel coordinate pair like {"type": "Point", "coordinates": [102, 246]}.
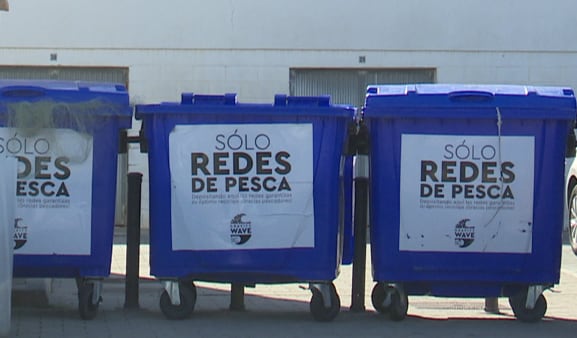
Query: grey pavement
{"type": "Point", "coordinates": [283, 311]}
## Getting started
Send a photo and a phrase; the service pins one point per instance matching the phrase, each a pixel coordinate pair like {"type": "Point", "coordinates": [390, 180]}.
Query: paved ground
{"type": "Point", "coordinates": [283, 311]}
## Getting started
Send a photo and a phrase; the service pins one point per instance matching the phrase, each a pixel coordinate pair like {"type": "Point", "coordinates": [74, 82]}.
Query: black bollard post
{"type": "Point", "coordinates": [360, 221]}
{"type": "Point", "coordinates": [133, 241]}
{"type": "Point", "coordinates": [236, 297]}
{"type": "Point", "coordinates": [492, 305]}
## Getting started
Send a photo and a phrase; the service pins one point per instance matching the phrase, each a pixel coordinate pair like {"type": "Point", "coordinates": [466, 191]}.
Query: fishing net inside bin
{"type": "Point", "coordinates": [65, 128]}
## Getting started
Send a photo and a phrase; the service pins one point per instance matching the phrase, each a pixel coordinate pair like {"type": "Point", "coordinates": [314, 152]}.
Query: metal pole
{"type": "Point", "coordinates": [492, 305]}
{"type": "Point", "coordinates": [237, 297]}
{"type": "Point", "coordinates": [361, 186]}
{"type": "Point", "coordinates": [133, 241]}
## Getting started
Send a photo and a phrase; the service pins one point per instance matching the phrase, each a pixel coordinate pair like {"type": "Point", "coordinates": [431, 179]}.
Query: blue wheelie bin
{"type": "Point", "coordinates": [246, 194]}
{"type": "Point", "coordinates": [65, 136]}
{"type": "Point", "coordinates": [467, 192]}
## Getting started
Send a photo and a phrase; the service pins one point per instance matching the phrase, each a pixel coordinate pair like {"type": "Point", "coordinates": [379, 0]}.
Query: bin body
{"type": "Point", "coordinates": [65, 137]}
{"type": "Point", "coordinates": [467, 186]}
{"type": "Point", "coordinates": [7, 205]}
{"type": "Point", "coordinates": [245, 192]}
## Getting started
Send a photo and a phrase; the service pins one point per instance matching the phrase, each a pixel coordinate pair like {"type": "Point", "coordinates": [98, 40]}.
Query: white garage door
{"type": "Point", "coordinates": [98, 74]}
{"type": "Point", "coordinates": [348, 86]}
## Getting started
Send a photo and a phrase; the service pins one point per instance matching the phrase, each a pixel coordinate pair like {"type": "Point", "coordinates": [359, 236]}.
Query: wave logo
{"type": "Point", "coordinates": [20, 234]}
{"type": "Point", "coordinates": [240, 229]}
{"type": "Point", "coordinates": [464, 234]}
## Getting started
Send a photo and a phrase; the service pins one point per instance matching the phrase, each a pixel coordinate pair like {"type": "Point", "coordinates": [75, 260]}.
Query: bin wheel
{"type": "Point", "coordinates": [524, 314]}
{"type": "Point", "coordinates": [317, 307]}
{"type": "Point", "coordinates": [390, 299]}
{"type": "Point", "coordinates": [379, 298]}
{"type": "Point", "coordinates": [86, 307]}
{"type": "Point", "coordinates": [187, 302]}
{"type": "Point", "coordinates": [399, 304]}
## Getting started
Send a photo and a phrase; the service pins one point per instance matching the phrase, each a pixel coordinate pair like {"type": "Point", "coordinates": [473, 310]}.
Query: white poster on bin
{"type": "Point", "coordinates": [53, 190]}
{"type": "Point", "coordinates": [464, 193]}
{"type": "Point", "coordinates": [242, 186]}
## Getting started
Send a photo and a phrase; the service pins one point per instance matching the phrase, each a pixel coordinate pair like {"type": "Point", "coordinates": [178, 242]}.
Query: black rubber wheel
{"type": "Point", "coordinates": [86, 307]}
{"type": "Point", "coordinates": [388, 299]}
{"type": "Point", "coordinates": [573, 219]}
{"type": "Point", "coordinates": [378, 298]}
{"type": "Point", "coordinates": [317, 307]}
{"type": "Point", "coordinates": [513, 303]}
{"type": "Point", "coordinates": [399, 305]}
{"type": "Point", "coordinates": [523, 314]}
{"type": "Point", "coordinates": [187, 303]}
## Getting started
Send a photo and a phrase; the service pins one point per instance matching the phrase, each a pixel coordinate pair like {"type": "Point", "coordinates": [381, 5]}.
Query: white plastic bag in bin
{"type": "Point", "coordinates": [7, 206]}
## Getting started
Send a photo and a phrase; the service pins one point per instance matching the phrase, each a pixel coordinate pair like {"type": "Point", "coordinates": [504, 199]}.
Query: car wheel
{"type": "Point", "coordinates": [573, 219]}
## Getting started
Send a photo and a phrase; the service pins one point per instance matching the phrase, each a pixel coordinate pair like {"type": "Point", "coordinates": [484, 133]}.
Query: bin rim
{"type": "Point", "coordinates": [64, 85]}
{"type": "Point", "coordinates": [469, 101]}
{"type": "Point", "coordinates": [447, 88]}
{"type": "Point", "coordinates": [113, 95]}
{"type": "Point", "coordinates": [201, 105]}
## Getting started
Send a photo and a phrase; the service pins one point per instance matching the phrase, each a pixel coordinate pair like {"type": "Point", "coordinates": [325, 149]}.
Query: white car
{"type": "Point", "coordinates": [571, 192]}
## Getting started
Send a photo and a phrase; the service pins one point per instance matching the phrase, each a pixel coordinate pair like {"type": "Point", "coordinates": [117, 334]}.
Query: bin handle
{"type": "Point", "coordinates": [23, 91]}
{"type": "Point", "coordinates": [471, 96]}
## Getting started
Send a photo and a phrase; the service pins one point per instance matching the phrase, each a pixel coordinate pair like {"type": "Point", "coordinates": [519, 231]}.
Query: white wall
{"type": "Point", "coordinates": [297, 24]}
{"type": "Point", "coordinates": [248, 46]}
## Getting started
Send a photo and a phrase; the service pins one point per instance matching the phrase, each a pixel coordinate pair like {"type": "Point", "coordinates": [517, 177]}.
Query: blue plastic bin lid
{"type": "Point", "coordinates": [111, 98]}
{"type": "Point", "coordinates": [226, 104]}
{"type": "Point", "coordinates": [469, 101]}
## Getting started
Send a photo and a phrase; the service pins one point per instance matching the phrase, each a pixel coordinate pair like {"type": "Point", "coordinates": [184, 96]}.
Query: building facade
{"type": "Point", "coordinates": [259, 48]}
